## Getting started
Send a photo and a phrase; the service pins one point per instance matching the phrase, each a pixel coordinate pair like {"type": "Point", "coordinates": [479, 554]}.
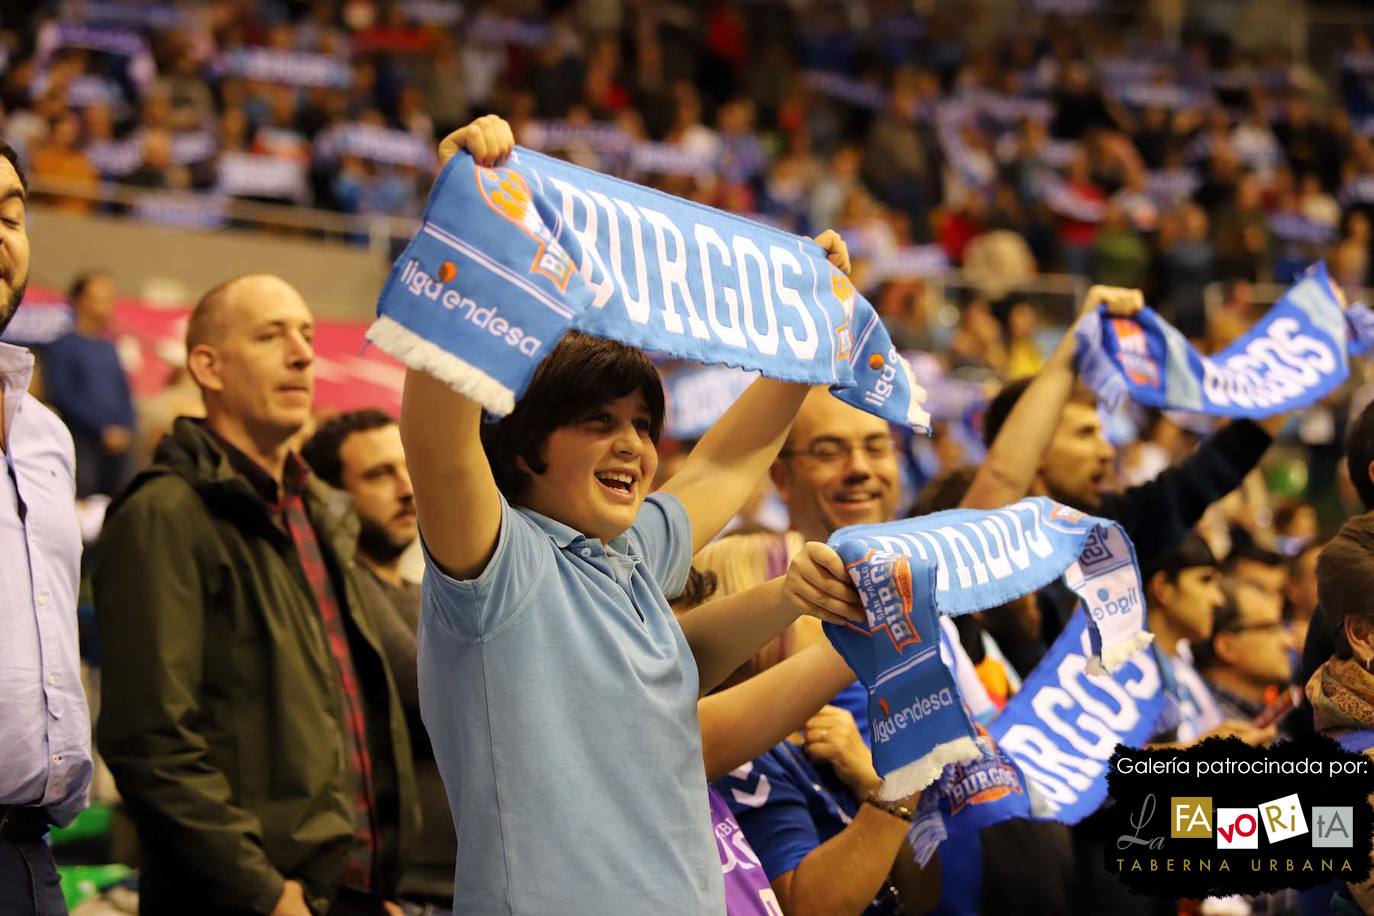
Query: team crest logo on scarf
{"type": "Point", "coordinates": [888, 580]}
{"type": "Point", "coordinates": [507, 192]}
{"type": "Point", "coordinates": [844, 336]}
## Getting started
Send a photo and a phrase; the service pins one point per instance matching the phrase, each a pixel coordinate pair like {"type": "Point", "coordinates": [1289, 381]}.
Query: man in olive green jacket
{"type": "Point", "coordinates": [248, 714]}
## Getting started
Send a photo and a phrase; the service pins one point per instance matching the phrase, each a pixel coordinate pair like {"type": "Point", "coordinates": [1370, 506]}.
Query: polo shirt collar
{"type": "Point", "coordinates": [564, 536]}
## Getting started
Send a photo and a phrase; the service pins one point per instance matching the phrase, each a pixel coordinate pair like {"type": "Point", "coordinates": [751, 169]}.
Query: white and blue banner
{"type": "Point", "coordinates": [294, 68]}
{"type": "Point", "coordinates": [958, 562]}
{"type": "Point", "coordinates": [697, 396]}
{"type": "Point", "coordinates": [1047, 758]}
{"type": "Point", "coordinates": [508, 260]}
{"type": "Point", "coordinates": [1063, 726]}
{"type": "Point", "coordinates": [380, 144]}
{"type": "Point", "coordinates": [1293, 357]}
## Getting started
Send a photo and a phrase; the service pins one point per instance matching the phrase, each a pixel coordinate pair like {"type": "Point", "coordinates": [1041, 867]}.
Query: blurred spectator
{"type": "Point", "coordinates": [978, 340]}
{"type": "Point", "coordinates": [158, 171]}
{"type": "Point", "coordinates": [1235, 315]}
{"type": "Point", "coordinates": [1187, 263]}
{"type": "Point", "coordinates": [1079, 207]}
{"type": "Point", "coordinates": [360, 453]}
{"type": "Point", "coordinates": [87, 386]}
{"type": "Point", "coordinates": [217, 753]}
{"type": "Point", "coordinates": [1350, 260]}
{"type": "Point", "coordinates": [1243, 236]}
{"type": "Point", "coordinates": [1301, 593]}
{"type": "Point", "coordinates": [895, 163]}
{"type": "Point", "coordinates": [1341, 691]}
{"type": "Point", "coordinates": [62, 161]}
{"type": "Point", "coordinates": [1247, 656]}
{"type": "Point", "coordinates": [1120, 255]}
{"type": "Point", "coordinates": [1019, 321]}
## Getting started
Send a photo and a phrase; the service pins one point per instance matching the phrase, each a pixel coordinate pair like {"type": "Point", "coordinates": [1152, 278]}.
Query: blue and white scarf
{"type": "Point", "coordinates": [1047, 759]}
{"type": "Point", "coordinates": [508, 260]}
{"type": "Point", "coordinates": [1293, 357]}
{"type": "Point", "coordinates": [698, 396]}
{"type": "Point", "coordinates": [380, 144]}
{"type": "Point", "coordinates": [958, 562]}
{"type": "Point", "coordinates": [294, 68]}
{"type": "Point", "coordinates": [1063, 726]}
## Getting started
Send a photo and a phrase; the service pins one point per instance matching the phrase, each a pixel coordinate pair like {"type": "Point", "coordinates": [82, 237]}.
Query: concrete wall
{"type": "Point", "coordinates": [176, 265]}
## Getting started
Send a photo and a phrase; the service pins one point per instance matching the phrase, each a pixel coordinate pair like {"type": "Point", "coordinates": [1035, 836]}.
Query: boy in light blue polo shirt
{"type": "Point", "coordinates": [557, 687]}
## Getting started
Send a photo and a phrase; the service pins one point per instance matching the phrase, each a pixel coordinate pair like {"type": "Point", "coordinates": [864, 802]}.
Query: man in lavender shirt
{"type": "Point", "coordinates": [45, 729]}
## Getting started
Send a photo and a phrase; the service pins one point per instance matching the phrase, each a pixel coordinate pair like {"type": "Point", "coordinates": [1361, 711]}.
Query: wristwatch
{"type": "Point", "coordinates": [894, 808]}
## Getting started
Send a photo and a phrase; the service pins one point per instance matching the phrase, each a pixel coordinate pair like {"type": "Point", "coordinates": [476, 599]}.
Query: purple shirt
{"type": "Point", "coordinates": [45, 756]}
{"type": "Point", "coordinates": [747, 891]}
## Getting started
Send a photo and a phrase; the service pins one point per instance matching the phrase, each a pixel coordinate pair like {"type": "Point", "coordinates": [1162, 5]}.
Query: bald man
{"type": "Point", "coordinates": [249, 717]}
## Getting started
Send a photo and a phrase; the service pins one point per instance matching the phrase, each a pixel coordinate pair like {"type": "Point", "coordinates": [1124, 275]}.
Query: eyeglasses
{"type": "Point", "coordinates": [1256, 627]}
{"type": "Point", "coordinates": [829, 450]}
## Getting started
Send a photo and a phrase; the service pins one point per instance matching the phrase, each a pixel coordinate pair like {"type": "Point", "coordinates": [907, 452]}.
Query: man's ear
{"type": "Point", "coordinates": [203, 363]}
{"type": "Point", "coordinates": [781, 477]}
{"type": "Point", "coordinates": [1155, 588]}
{"type": "Point", "coordinates": [1223, 648]}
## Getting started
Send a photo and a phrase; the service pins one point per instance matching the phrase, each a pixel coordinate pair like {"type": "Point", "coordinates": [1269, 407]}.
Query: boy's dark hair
{"type": "Point", "coordinates": [1359, 453]}
{"type": "Point", "coordinates": [581, 374]}
{"type": "Point", "coordinates": [12, 155]}
{"type": "Point", "coordinates": [321, 452]}
{"type": "Point", "coordinates": [1000, 408]}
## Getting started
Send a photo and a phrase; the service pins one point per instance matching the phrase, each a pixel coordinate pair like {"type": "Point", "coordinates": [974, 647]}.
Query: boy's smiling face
{"type": "Point", "coordinates": [599, 469]}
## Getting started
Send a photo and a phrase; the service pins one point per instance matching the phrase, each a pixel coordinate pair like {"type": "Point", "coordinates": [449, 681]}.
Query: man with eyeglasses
{"type": "Point", "coordinates": [1248, 656]}
{"type": "Point", "coordinates": [837, 468]}
{"type": "Point", "coordinates": [1255, 575]}
{"type": "Point", "coordinates": [1250, 651]}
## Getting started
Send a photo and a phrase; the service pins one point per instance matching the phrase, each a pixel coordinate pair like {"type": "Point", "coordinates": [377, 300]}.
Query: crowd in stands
{"type": "Point", "coordinates": [1137, 161]}
{"type": "Point", "coordinates": [1087, 149]}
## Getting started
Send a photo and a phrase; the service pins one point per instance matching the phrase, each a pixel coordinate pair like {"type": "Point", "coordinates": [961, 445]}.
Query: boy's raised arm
{"type": "Point", "coordinates": [456, 499]}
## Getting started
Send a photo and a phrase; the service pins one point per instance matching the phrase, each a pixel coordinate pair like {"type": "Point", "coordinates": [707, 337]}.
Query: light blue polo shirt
{"type": "Point", "coordinates": [561, 699]}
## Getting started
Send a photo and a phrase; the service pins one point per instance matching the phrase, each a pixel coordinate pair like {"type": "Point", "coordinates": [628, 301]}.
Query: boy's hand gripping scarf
{"type": "Point", "coordinates": [954, 563]}
{"type": "Point", "coordinates": [510, 259]}
{"type": "Point", "coordinates": [1293, 357]}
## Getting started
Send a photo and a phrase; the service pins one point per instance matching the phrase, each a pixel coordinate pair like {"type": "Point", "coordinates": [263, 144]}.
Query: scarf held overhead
{"type": "Point", "coordinates": [508, 260]}
{"type": "Point", "coordinates": [1294, 356]}
{"type": "Point", "coordinates": [958, 562]}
